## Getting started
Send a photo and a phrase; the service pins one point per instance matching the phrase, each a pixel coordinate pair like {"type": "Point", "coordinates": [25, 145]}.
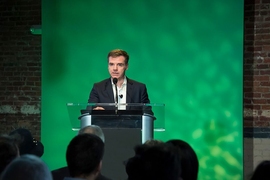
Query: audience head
{"type": "Point", "coordinates": [262, 171]}
{"type": "Point", "coordinates": [27, 167]}
{"type": "Point", "coordinates": [153, 142]}
{"type": "Point", "coordinates": [93, 129]}
{"type": "Point", "coordinates": [189, 160]}
{"type": "Point", "coordinates": [26, 143]}
{"type": "Point", "coordinates": [8, 151]}
{"type": "Point", "coordinates": [159, 162]}
{"type": "Point", "coordinates": [84, 155]}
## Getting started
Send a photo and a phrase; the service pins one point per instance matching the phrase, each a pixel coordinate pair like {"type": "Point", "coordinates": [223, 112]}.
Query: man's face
{"type": "Point", "coordinates": [117, 67]}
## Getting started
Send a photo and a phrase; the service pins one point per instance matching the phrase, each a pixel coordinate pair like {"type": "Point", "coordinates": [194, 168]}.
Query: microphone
{"type": "Point", "coordinates": [121, 96]}
{"type": "Point", "coordinates": [116, 92]}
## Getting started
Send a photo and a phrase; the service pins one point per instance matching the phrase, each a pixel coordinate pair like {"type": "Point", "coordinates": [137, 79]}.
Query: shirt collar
{"type": "Point", "coordinates": [124, 83]}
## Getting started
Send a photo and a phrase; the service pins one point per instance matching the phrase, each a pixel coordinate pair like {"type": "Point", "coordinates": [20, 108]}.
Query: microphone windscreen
{"type": "Point", "coordinates": [115, 80]}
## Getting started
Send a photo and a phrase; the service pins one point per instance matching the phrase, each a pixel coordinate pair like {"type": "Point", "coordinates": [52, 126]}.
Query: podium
{"type": "Point", "coordinates": [123, 129]}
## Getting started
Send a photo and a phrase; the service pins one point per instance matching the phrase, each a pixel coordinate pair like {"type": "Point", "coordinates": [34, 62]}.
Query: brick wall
{"type": "Point", "coordinates": [256, 84]}
{"type": "Point", "coordinates": [256, 63]}
{"type": "Point", "coordinates": [20, 72]}
{"type": "Point", "coordinates": [20, 66]}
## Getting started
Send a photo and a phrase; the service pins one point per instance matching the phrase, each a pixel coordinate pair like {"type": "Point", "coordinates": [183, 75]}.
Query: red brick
{"type": "Point", "coordinates": [266, 48]}
{"type": "Point", "coordinates": [265, 107]}
{"type": "Point", "coordinates": [253, 95]}
{"type": "Point", "coordinates": [261, 89]}
{"type": "Point", "coordinates": [261, 124]}
{"type": "Point", "coordinates": [266, 95]}
{"type": "Point", "coordinates": [261, 78]}
{"type": "Point", "coordinates": [263, 118]}
{"type": "Point", "coordinates": [259, 101]}
{"type": "Point", "coordinates": [265, 72]}
{"type": "Point", "coordinates": [265, 83]}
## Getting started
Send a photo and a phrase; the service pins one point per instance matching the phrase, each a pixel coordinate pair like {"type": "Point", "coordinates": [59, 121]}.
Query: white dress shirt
{"type": "Point", "coordinates": [122, 94]}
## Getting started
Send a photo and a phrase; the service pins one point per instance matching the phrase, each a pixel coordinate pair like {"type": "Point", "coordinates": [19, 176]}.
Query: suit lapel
{"type": "Point", "coordinates": [129, 90]}
{"type": "Point", "coordinates": [109, 90]}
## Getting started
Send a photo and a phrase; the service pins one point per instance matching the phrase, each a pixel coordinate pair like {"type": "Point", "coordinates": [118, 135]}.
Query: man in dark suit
{"type": "Point", "coordinates": [118, 88]}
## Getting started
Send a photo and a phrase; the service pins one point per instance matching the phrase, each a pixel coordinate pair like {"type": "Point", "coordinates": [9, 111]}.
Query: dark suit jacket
{"type": "Point", "coordinates": [102, 92]}
{"type": "Point", "coordinates": [61, 173]}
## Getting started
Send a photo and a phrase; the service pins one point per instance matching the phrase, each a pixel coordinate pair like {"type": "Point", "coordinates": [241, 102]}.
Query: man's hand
{"type": "Point", "coordinates": [98, 108]}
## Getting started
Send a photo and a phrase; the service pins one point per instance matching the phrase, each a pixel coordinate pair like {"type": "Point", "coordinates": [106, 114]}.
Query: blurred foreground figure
{"type": "Point", "coordinates": [262, 171]}
{"type": "Point", "coordinates": [8, 151]}
{"type": "Point", "coordinates": [189, 160]}
{"type": "Point", "coordinates": [154, 162]}
{"type": "Point", "coordinates": [27, 167]}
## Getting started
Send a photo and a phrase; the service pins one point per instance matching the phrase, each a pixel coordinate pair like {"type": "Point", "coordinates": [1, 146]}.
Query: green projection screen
{"type": "Point", "coordinates": [188, 53]}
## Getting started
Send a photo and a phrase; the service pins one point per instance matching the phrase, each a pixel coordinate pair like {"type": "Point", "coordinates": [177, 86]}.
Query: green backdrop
{"type": "Point", "coordinates": [189, 53]}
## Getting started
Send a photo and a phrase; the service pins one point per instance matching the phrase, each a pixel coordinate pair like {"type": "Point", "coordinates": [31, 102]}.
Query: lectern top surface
{"type": "Point", "coordinates": [112, 112]}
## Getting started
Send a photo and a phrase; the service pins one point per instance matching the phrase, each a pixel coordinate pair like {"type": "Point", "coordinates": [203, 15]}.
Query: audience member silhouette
{"type": "Point", "coordinates": [27, 167]}
{"type": "Point", "coordinates": [150, 142]}
{"type": "Point", "coordinates": [8, 151]}
{"type": "Point", "coordinates": [262, 171]}
{"type": "Point", "coordinates": [154, 162]}
{"type": "Point", "coordinates": [189, 160]}
{"type": "Point", "coordinates": [27, 143]}
{"type": "Point", "coordinates": [84, 157]}
{"type": "Point", "coordinates": [59, 174]}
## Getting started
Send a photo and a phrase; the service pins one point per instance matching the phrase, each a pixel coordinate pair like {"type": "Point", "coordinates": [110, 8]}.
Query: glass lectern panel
{"type": "Point", "coordinates": [117, 115]}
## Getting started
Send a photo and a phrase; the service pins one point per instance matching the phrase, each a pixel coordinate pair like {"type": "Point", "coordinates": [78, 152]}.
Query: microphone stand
{"type": "Point", "coordinates": [116, 94]}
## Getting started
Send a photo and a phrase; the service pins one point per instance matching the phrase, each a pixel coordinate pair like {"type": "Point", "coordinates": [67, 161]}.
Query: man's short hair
{"type": "Point", "coordinates": [93, 129]}
{"type": "Point", "coordinates": [84, 154]}
{"type": "Point", "coordinates": [118, 52]}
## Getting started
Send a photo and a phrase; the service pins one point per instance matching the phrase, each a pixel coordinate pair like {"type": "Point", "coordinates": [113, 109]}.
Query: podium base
{"type": "Point", "coordinates": [119, 145]}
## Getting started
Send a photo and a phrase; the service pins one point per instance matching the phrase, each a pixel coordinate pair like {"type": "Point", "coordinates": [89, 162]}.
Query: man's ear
{"type": "Point", "coordinates": [98, 169]}
{"type": "Point", "coordinates": [99, 166]}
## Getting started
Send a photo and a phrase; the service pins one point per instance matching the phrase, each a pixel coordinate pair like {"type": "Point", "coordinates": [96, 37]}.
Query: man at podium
{"type": "Point", "coordinates": [124, 128]}
{"type": "Point", "coordinates": [118, 88]}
